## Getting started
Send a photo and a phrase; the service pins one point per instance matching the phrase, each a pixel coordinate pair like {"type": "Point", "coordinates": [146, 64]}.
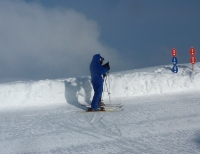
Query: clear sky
{"type": "Point", "coordinates": [51, 39]}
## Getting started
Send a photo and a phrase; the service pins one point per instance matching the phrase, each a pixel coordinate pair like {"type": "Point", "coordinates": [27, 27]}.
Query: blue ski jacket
{"type": "Point", "coordinates": [97, 70]}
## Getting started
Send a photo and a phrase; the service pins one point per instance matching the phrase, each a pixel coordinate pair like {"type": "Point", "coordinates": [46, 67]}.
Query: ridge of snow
{"type": "Point", "coordinates": [147, 81]}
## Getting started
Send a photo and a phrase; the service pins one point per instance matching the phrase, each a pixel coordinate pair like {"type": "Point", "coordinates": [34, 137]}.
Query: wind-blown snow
{"type": "Point", "coordinates": [161, 114]}
{"type": "Point", "coordinates": [156, 80]}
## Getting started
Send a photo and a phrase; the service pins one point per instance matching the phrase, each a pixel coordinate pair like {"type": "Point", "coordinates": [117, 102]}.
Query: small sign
{"type": "Point", "coordinates": [174, 52]}
{"type": "Point", "coordinates": [193, 60]}
{"type": "Point", "coordinates": [175, 69]}
{"type": "Point", "coordinates": [192, 51]}
{"type": "Point", "coordinates": [174, 60]}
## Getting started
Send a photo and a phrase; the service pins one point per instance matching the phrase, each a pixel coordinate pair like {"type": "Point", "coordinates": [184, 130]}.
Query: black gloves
{"type": "Point", "coordinates": [106, 65]}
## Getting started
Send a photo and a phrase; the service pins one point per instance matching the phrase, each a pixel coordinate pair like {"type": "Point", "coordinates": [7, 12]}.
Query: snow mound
{"type": "Point", "coordinates": [73, 91]}
{"type": "Point", "coordinates": [155, 80]}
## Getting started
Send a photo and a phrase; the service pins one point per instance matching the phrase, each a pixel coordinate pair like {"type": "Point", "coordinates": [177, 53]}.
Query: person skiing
{"type": "Point", "coordinates": [97, 70]}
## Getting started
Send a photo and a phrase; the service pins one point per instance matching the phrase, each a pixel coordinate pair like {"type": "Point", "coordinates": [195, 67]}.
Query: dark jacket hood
{"type": "Point", "coordinates": [96, 58]}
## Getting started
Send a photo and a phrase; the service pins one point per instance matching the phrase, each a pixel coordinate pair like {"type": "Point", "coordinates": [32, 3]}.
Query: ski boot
{"type": "Point", "coordinates": [100, 104]}
{"type": "Point", "coordinates": [96, 110]}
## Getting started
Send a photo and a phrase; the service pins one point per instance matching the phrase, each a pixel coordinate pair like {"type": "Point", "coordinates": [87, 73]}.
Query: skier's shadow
{"type": "Point", "coordinates": [78, 87]}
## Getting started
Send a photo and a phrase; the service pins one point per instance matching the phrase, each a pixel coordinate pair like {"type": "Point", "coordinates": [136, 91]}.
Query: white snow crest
{"type": "Point", "coordinates": [27, 94]}
{"type": "Point", "coordinates": [155, 80]}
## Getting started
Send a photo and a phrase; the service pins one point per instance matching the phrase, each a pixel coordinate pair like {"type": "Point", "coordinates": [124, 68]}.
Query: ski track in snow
{"type": "Point", "coordinates": [154, 121]}
{"type": "Point", "coordinates": [159, 124]}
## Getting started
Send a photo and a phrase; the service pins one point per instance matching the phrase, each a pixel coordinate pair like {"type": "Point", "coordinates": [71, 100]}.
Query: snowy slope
{"type": "Point", "coordinates": [161, 114]}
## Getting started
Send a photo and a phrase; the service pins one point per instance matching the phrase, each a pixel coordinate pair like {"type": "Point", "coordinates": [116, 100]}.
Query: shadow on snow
{"type": "Point", "coordinates": [78, 91]}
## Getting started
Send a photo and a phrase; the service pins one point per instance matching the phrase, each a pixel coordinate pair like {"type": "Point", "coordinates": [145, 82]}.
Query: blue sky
{"type": "Point", "coordinates": [47, 39]}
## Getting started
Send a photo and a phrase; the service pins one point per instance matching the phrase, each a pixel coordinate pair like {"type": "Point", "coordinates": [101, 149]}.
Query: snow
{"type": "Point", "coordinates": [161, 114]}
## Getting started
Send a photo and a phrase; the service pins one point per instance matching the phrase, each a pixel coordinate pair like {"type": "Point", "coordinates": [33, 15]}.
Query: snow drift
{"type": "Point", "coordinates": [73, 91]}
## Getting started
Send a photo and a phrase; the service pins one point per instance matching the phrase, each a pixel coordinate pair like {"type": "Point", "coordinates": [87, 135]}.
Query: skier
{"type": "Point", "coordinates": [97, 70]}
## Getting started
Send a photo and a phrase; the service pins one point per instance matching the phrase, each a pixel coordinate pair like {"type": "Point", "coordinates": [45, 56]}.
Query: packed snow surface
{"type": "Point", "coordinates": [161, 114]}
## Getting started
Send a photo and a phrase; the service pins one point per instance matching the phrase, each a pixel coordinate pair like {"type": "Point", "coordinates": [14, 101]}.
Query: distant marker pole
{"type": "Point", "coordinates": [192, 58]}
{"type": "Point", "coordinates": [174, 61]}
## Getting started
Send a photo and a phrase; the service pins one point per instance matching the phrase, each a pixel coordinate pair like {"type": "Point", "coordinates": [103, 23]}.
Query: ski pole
{"type": "Point", "coordinates": [108, 90]}
{"type": "Point", "coordinates": [109, 85]}
{"type": "Point", "coordinates": [109, 80]}
{"type": "Point", "coordinates": [103, 88]}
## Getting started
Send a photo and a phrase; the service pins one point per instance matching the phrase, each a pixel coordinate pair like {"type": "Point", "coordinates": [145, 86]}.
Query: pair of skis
{"type": "Point", "coordinates": [108, 108]}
